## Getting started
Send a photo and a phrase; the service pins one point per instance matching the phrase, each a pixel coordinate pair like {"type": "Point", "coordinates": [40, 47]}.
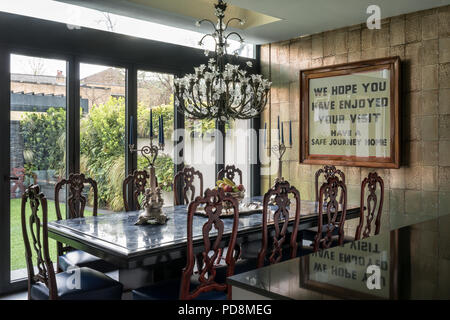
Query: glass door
{"type": "Point", "coordinates": [155, 102]}
{"type": "Point", "coordinates": [102, 133]}
{"type": "Point", "coordinates": [37, 142]}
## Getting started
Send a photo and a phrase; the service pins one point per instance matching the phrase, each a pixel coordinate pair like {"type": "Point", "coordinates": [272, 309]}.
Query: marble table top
{"type": "Point", "coordinates": [116, 232]}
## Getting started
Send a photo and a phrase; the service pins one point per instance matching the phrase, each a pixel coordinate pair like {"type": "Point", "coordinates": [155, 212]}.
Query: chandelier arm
{"type": "Point", "coordinates": [192, 103]}
{"type": "Point", "coordinates": [200, 99]}
{"type": "Point", "coordinates": [248, 101]}
{"type": "Point", "coordinates": [237, 109]}
{"type": "Point", "coordinates": [232, 101]}
{"type": "Point", "coordinates": [195, 106]}
{"type": "Point", "coordinates": [209, 21]}
{"type": "Point", "coordinates": [243, 103]}
{"type": "Point", "coordinates": [195, 103]}
{"type": "Point", "coordinates": [232, 19]}
{"type": "Point", "coordinates": [236, 34]}
{"type": "Point", "coordinates": [192, 112]}
{"type": "Point", "coordinates": [263, 102]}
{"type": "Point", "coordinates": [205, 36]}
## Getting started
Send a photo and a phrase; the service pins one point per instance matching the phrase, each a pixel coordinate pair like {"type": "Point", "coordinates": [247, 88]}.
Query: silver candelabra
{"type": "Point", "coordinates": [153, 201]}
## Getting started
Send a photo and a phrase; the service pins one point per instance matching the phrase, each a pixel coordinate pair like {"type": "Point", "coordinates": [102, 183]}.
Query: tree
{"type": "Point", "coordinates": [37, 66]}
{"type": "Point", "coordinates": [108, 21]}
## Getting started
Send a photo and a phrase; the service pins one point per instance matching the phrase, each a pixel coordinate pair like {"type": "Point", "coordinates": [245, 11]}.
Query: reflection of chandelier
{"type": "Point", "coordinates": [221, 90]}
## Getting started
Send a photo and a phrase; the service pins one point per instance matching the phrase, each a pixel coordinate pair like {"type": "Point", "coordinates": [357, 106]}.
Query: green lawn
{"type": "Point", "coordinates": [17, 246]}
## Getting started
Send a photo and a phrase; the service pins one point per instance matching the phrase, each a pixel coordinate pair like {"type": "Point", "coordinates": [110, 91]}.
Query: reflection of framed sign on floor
{"type": "Point", "coordinates": [350, 114]}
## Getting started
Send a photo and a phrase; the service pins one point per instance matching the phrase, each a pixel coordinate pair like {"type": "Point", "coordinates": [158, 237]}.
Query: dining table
{"type": "Point", "coordinates": [408, 261]}
{"type": "Point", "coordinates": [139, 251]}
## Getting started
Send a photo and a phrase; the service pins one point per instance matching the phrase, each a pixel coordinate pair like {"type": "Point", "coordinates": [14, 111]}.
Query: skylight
{"type": "Point", "coordinates": [78, 17]}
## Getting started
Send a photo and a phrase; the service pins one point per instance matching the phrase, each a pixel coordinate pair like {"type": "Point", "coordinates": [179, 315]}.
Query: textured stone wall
{"type": "Point", "coordinates": [421, 187]}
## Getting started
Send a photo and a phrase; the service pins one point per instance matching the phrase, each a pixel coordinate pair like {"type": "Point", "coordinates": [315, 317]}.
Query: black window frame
{"type": "Point", "coordinates": [41, 38]}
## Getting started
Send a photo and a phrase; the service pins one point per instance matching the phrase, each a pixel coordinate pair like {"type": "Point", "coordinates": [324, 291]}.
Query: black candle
{"type": "Point", "coordinates": [151, 124]}
{"type": "Point", "coordinates": [162, 130]}
{"type": "Point", "coordinates": [278, 128]}
{"type": "Point", "coordinates": [159, 130]}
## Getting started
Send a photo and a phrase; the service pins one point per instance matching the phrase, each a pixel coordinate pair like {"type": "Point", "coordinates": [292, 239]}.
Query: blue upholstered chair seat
{"type": "Point", "coordinates": [94, 285]}
{"type": "Point", "coordinates": [83, 259]}
{"type": "Point", "coordinates": [170, 290]}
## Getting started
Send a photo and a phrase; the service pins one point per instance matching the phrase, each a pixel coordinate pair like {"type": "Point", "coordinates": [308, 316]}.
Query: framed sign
{"type": "Point", "coordinates": [350, 114]}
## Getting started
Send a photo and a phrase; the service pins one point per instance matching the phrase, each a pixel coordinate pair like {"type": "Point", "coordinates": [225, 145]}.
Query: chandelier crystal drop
{"type": "Point", "coordinates": [221, 90]}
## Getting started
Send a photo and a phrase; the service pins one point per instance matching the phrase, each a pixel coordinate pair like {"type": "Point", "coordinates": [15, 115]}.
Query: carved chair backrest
{"type": "Point", "coordinates": [335, 213]}
{"type": "Point", "coordinates": [185, 179]}
{"type": "Point", "coordinates": [34, 226]}
{"type": "Point", "coordinates": [279, 194]}
{"type": "Point", "coordinates": [213, 204]}
{"type": "Point", "coordinates": [76, 201]}
{"type": "Point", "coordinates": [327, 171]}
{"type": "Point", "coordinates": [372, 203]}
{"type": "Point", "coordinates": [230, 172]}
{"type": "Point", "coordinates": [139, 182]}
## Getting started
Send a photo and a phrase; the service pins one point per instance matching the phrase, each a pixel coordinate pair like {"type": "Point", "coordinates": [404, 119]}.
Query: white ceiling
{"type": "Point", "coordinates": [297, 17]}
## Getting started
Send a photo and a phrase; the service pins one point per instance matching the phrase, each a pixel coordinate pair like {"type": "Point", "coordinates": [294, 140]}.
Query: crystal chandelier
{"type": "Point", "coordinates": [220, 90]}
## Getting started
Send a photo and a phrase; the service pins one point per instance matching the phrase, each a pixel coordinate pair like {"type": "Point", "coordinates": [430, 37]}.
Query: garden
{"type": "Point", "coordinates": [102, 155]}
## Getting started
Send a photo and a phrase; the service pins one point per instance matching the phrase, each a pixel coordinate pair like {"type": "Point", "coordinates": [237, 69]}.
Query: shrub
{"type": "Point", "coordinates": [103, 148]}
{"type": "Point", "coordinates": [43, 136]}
{"type": "Point", "coordinates": [102, 144]}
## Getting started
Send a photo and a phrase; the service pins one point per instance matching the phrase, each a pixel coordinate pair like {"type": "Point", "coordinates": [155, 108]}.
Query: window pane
{"type": "Point", "coordinates": [199, 149]}
{"type": "Point", "coordinates": [155, 93]}
{"type": "Point", "coordinates": [38, 141]}
{"type": "Point", "coordinates": [102, 132]}
{"type": "Point", "coordinates": [237, 149]}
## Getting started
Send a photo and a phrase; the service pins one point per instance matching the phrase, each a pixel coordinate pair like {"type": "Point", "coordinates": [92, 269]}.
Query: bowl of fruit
{"type": "Point", "coordinates": [231, 189]}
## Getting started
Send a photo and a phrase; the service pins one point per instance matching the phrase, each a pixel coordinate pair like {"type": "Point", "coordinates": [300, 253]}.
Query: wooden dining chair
{"type": "Point", "coordinates": [276, 200]}
{"type": "Point", "coordinates": [43, 282]}
{"type": "Point", "coordinates": [327, 172]}
{"type": "Point", "coordinates": [76, 204]}
{"type": "Point", "coordinates": [184, 179]}
{"type": "Point", "coordinates": [332, 233]}
{"type": "Point", "coordinates": [279, 195]}
{"type": "Point", "coordinates": [139, 182]}
{"type": "Point", "coordinates": [206, 285]}
{"type": "Point", "coordinates": [230, 172]}
{"type": "Point", "coordinates": [371, 204]}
